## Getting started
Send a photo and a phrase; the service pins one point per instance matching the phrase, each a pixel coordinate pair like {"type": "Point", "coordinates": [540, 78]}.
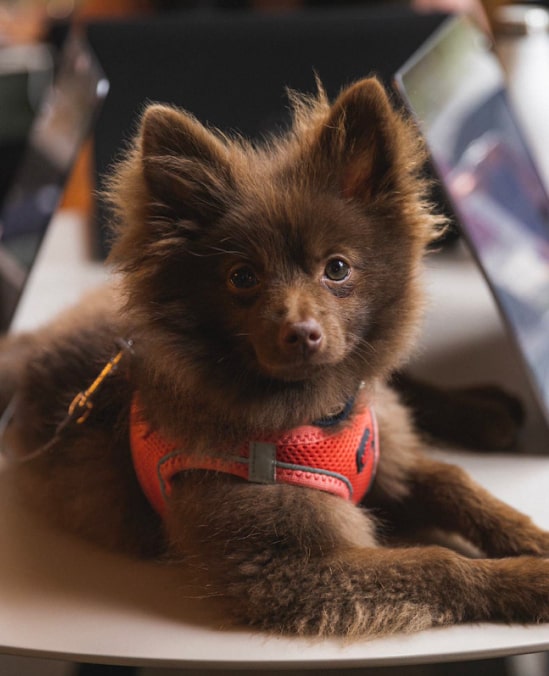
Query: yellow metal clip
{"type": "Point", "coordinates": [82, 401]}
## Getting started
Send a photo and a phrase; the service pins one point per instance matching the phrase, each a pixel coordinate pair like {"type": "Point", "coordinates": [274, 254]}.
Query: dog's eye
{"type": "Point", "coordinates": [337, 270]}
{"type": "Point", "coordinates": [242, 278]}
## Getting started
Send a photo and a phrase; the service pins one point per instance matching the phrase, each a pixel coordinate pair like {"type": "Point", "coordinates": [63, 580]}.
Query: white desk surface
{"type": "Point", "coordinates": [61, 598]}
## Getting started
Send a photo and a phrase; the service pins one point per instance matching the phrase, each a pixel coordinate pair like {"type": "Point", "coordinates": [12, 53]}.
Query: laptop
{"type": "Point", "coordinates": [64, 117]}
{"type": "Point", "coordinates": [455, 88]}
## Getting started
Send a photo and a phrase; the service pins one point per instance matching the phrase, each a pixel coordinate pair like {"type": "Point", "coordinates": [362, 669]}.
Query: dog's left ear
{"type": "Point", "coordinates": [362, 141]}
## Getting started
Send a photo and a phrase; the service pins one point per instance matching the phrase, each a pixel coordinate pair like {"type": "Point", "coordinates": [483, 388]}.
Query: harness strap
{"type": "Point", "coordinates": [342, 463]}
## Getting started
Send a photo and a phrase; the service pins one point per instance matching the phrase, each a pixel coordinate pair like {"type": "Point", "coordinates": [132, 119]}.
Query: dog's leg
{"type": "Point", "coordinates": [444, 496]}
{"type": "Point", "coordinates": [483, 416]}
{"type": "Point", "coordinates": [378, 591]}
{"type": "Point", "coordinates": [301, 561]}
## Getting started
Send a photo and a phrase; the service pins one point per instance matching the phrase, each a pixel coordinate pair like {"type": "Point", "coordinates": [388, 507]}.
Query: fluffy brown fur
{"type": "Point", "coordinates": [262, 286]}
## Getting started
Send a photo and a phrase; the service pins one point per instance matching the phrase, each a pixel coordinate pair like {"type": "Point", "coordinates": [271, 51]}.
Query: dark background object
{"type": "Point", "coordinates": [231, 69]}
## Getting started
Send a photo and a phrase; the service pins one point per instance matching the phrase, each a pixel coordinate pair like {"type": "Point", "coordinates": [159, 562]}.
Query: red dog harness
{"type": "Point", "coordinates": [342, 463]}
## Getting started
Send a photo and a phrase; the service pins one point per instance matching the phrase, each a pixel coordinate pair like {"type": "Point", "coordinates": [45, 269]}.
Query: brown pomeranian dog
{"type": "Point", "coordinates": [263, 297]}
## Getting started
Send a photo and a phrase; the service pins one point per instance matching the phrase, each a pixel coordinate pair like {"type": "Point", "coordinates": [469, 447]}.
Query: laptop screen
{"type": "Point", "coordinates": [455, 89]}
{"type": "Point", "coordinates": [64, 118]}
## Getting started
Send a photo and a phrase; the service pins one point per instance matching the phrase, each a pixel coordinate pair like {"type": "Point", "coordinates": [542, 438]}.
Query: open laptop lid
{"type": "Point", "coordinates": [455, 88]}
{"type": "Point", "coordinates": [62, 123]}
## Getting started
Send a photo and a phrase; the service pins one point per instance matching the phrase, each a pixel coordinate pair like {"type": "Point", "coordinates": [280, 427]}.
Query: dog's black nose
{"type": "Point", "coordinates": [301, 337]}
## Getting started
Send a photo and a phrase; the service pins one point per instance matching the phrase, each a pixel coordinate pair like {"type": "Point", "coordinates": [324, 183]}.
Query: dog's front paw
{"type": "Point", "coordinates": [537, 545]}
{"type": "Point", "coordinates": [520, 590]}
{"type": "Point", "coordinates": [526, 541]}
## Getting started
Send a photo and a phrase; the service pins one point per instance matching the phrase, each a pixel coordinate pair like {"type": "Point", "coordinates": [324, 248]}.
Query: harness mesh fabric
{"type": "Point", "coordinates": [340, 461]}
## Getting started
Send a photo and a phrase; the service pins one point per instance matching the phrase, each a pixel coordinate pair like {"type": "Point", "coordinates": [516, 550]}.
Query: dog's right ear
{"type": "Point", "coordinates": [185, 166]}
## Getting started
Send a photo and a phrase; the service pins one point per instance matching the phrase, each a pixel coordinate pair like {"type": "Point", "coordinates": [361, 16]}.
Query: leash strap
{"type": "Point", "coordinates": [77, 413]}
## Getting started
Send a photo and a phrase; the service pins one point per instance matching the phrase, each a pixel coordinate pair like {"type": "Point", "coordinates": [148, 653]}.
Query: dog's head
{"type": "Point", "coordinates": [271, 268]}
